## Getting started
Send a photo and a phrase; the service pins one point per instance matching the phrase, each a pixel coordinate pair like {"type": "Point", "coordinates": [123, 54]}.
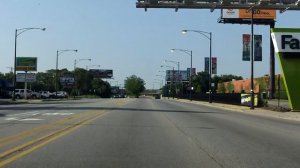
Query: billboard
{"type": "Point", "coordinates": [28, 77]}
{"type": "Point", "coordinates": [101, 73]}
{"type": "Point", "coordinates": [173, 77]}
{"type": "Point", "coordinates": [245, 14]}
{"type": "Point", "coordinates": [246, 47]}
{"type": "Point", "coordinates": [26, 64]}
{"type": "Point", "coordinates": [67, 81]}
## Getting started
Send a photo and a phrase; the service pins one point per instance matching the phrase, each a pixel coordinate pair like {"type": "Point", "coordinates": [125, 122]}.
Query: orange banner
{"type": "Point", "coordinates": [258, 14]}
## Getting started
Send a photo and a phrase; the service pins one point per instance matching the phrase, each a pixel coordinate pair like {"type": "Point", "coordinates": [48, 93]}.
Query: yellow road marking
{"type": "Point", "coordinates": [31, 146]}
{"type": "Point", "coordinates": [27, 133]}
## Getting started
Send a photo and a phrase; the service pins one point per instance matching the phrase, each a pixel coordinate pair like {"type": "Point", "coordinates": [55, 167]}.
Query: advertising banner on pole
{"type": "Point", "coordinates": [214, 65]}
{"type": "Point", "coordinates": [206, 64]}
{"type": "Point", "coordinates": [246, 47]}
{"type": "Point", "coordinates": [257, 47]}
{"type": "Point", "coordinates": [26, 64]}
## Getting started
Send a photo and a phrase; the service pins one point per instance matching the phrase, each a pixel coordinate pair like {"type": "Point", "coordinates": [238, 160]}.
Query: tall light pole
{"type": "Point", "coordinates": [172, 82]}
{"type": "Point", "coordinates": [78, 60]}
{"type": "Point", "coordinates": [162, 81]}
{"type": "Point", "coordinates": [75, 62]}
{"type": "Point", "coordinates": [178, 66]}
{"type": "Point", "coordinates": [58, 52]}
{"type": "Point", "coordinates": [190, 53]}
{"type": "Point", "coordinates": [17, 33]}
{"type": "Point", "coordinates": [208, 35]}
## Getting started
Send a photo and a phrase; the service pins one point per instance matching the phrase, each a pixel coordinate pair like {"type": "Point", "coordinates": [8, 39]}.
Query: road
{"type": "Point", "coordinates": [142, 133]}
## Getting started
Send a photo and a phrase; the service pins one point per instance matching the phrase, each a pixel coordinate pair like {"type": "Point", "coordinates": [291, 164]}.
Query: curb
{"type": "Point", "coordinates": [290, 116]}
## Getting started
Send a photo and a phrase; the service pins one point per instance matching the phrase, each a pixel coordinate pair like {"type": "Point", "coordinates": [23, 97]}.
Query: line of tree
{"type": "Point", "coordinates": [200, 84]}
{"type": "Point", "coordinates": [86, 83]}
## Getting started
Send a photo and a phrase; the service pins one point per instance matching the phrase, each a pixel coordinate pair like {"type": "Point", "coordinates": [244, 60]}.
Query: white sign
{"type": "Point", "coordinates": [231, 13]}
{"type": "Point", "coordinates": [286, 41]}
{"type": "Point", "coordinates": [67, 81]}
{"type": "Point", "coordinates": [30, 77]}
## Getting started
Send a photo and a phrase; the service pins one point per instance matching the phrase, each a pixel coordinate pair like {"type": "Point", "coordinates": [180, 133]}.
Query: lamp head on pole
{"type": "Point", "coordinates": [184, 31]}
{"type": "Point", "coordinates": [44, 29]}
{"type": "Point", "coordinates": [172, 50]}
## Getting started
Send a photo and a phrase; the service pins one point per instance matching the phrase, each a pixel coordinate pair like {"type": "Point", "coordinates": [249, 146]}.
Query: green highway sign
{"type": "Point", "coordinates": [26, 64]}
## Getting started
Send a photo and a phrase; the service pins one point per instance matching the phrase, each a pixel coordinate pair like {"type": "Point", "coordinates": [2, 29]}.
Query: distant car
{"type": "Point", "coordinates": [35, 95]}
{"type": "Point", "coordinates": [46, 94]}
{"type": "Point", "coordinates": [20, 93]}
{"type": "Point", "coordinates": [60, 94]}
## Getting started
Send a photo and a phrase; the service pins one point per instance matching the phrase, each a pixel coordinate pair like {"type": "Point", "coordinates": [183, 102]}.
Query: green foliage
{"type": "Point", "coordinates": [134, 85]}
{"type": "Point", "coordinates": [222, 88]}
{"type": "Point", "coordinates": [101, 88]}
{"type": "Point", "coordinates": [85, 82]}
{"type": "Point", "coordinates": [200, 82]}
{"type": "Point", "coordinates": [230, 87]}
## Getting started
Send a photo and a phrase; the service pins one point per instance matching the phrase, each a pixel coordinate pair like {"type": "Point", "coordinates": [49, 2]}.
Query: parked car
{"type": "Point", "coordinates": [20, 93]}
{"type": "Point", "coordinates": [35, 95]}
{"type": "Point", "coordinates": [46, 94]}
{"type": "Point", "coordinates": [60, 94]}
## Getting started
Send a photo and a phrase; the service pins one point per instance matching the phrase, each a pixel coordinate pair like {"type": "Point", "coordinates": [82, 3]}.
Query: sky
{"type": "Point", "coordinates": [116, 35]}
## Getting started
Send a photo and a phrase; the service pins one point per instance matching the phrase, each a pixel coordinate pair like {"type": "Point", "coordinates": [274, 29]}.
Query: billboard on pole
{"type": "Point", "coordinates": [26, 64]}
{"type": "Point", "coordinates": [102, 73]}
{"type": "Point", "coordinates": [246, 47]}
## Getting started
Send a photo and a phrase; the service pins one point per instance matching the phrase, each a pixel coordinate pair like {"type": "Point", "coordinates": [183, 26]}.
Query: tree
{"type": "Point", "coordinates": [101, 88]}
{"type": "Point", "coordinates": [200, 82]}
{"type": "Point", "coordinates": [134, 85]}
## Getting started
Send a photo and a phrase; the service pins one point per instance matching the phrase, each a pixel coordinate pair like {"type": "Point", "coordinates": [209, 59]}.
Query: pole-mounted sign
{"type": "Point", "coordinates": [26, 64]}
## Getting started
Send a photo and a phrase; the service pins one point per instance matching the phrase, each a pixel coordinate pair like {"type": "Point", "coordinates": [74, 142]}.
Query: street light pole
{"type": "Point", "coordinates": [208, 35]}
{"type": "Point", "coordinates": [15, 56]}
{"type": "Point", "coordinates": [58, 52]}
{"type": "Point", "coordinates": [172, 82]}
{"type": "Point", "coordinates": [177, 79]}
{"type": "Point", "coordinates": [189, 52]}
{"type": "Point", "coordinates": [75, 61]}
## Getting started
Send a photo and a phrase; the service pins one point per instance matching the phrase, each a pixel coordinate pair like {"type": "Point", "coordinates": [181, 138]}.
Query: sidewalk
{"type": "Point", "coordinates": [18, 101]}
{"type": "Point", "coordinates": [292, 116]}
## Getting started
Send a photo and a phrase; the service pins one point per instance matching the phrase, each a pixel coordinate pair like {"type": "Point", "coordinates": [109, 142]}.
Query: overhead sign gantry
{"type": "Point", "coordinates": [281, 5]}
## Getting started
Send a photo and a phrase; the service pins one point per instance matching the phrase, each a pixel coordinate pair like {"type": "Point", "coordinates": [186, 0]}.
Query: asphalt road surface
{"type": "Point", "coordinates": [142, 133]}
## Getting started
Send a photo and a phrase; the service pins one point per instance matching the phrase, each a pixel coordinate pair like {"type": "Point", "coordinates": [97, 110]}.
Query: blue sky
{"type": "Point", "coordinates": [118, 36]}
